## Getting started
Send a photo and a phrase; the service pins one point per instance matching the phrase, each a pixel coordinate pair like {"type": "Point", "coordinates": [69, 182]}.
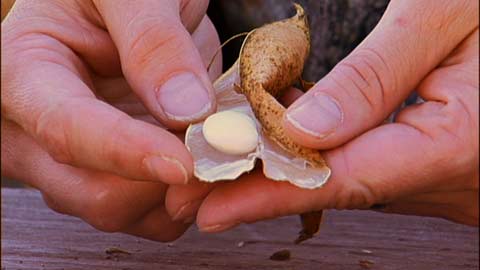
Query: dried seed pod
{"type": "Point", "coordinates": [272, 59]}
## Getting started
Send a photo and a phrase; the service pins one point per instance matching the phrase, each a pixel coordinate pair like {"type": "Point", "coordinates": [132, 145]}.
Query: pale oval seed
{"type": "Point", "coordinates": [231, 132]}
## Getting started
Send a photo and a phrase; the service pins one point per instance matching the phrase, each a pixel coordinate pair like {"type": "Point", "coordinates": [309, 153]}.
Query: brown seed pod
{"type": "Point", "coordinates": [271, 60]}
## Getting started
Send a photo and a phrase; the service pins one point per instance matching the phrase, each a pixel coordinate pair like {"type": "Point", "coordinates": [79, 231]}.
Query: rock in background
{"type": "Point", "coordinates": [337, 26]}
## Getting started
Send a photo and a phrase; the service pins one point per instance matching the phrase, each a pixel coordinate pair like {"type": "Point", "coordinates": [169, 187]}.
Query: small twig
{"type": "Point", "coordinates": [281, 255]}
{"type": "Point", "coordinates": [366, 264]}
{"type": "Point", "coordinates": [310, 225]}
{"type": "Point", "coordinates": [223, 44]}
{"type": "Point", "coordinates": [115, 250]}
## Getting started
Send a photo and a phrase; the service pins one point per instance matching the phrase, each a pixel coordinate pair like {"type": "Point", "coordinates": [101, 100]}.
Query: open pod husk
{"type": "Point", "coordinates": [271, 60]}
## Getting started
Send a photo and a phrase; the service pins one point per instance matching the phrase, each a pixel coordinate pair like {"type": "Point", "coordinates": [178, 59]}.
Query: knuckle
{"type": "Point", "coordinates": [357, 196]}
{"type": "Point", "coordinates": [51, 131]}
{"type": "Point", "coordinates": [457, 153]}
{"type": "Point", "coordinates": [150, 37]}
{"type": "Point", "coordinates": [112, 150]}
{"type": "Point", "coordinates": [352, 192]}
{"type": "Point", "coordinates": [366, 74]}
{"type": "Point", "coordinates": [455, 141]}
{"type": "Point", "coordinates": [105, 211]}
{"type": "Point", "coordinates": [52, 204]}
{"type": "Point", "coordinates": [436, 19]}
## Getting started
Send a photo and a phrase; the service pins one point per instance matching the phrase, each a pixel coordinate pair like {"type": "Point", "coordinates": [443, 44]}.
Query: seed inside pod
{"type": "Point", "coordinates": [230, 132]}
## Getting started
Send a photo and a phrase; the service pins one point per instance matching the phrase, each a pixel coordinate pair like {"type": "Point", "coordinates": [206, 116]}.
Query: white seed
{"type": "Point", "coordinates": [231, 132]}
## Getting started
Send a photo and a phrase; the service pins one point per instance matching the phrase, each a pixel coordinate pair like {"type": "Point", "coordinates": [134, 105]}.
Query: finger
{"type": "Point", "coordinates": [380, 166]}
{"type": "Point", "coordinates": [466, 216]}
{"type": "Point", "coordinates": [54, 205]}
{"type": "Point", "coordinates": [353, 167]}
{"type": "Point", "coordinates": [183, 201]}
{"type": "Point", "coordinates": [119, 205]}
{"type": "Point", "coordinates": [192, 13]}
{"type": "Point", "coordinates": [107, 202]}
{"type": "Point", "coordinates": [157, 225]}
{"type": "Point", "coordinates": [365, 87]}
{"type": "Point", "coordinates": [290, 96]}
{"type": "Point", "coordinates": [75, 24]}
{"type": "Point", "coordinates": [63, 115]}
{"type": "Point", "coordinates": [460, 206]}
{"type": "Point", "coordinates": [75, 128]}
{"type": "Point", "coordinates": [160, 60]}
{"type": "Point", "coordinates": [207, 42]}
{"type": "Point", "coordinates": [254, 197]}
{"type": "Point", "coordinates": [117, 91]}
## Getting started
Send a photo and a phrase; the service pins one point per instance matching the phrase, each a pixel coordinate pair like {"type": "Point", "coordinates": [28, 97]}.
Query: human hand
{"type": "Point", "coordinates": [425, 163]}
{"type": "Point", "coordinates": [74, 128]}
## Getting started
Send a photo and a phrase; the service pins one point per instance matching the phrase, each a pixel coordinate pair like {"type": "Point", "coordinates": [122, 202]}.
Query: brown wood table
{"type": "Point", "coordinates": [34, 237]}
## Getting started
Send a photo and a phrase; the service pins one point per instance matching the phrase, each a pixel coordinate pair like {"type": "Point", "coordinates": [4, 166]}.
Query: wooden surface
{"type": "Point", "coordinates": [34, 237]}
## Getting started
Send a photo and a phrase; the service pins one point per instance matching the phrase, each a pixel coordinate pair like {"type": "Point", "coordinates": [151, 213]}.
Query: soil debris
{"type": "Point", "coordinates": [116, 250]}
{"type": "Point", "coordinates": [281, 255]}
{"type": "Point", "coordinates": [365, 264]}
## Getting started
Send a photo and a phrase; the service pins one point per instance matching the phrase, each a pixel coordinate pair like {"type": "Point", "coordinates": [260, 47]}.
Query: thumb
{"type": "Point", "coordinates": [158, 56]}
{"type": "Point", "coordinates": [364, 88]}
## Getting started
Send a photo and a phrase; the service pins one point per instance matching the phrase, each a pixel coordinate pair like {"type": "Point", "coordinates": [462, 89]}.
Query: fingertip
{"type": "Point", "coordinates": [166, 169]}
{"type": "Point", "coordinates": [166, 158]}
{"type": "Point", "coordinates": [214, 212]}
{"type": "Point", "coordinates": [250, 198]}
{"type": "Point", "coordinates": [157, 226]}
{"type": "Point", "coordinates": [216, 228]}
{"type": "Point", "coordinates": [313, 119]}
{"type": "Point", "coordinates": [299, 136]}
{"type": "Point", "coordinates": [185, 98]}
{"type": "Point", "coordinates": [183, 201]}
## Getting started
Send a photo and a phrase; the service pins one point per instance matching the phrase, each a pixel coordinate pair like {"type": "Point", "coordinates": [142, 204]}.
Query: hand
{"type": "Point", "coordinates": [425, 163]}
{"type": "Point", "coordinates": [72, 125]}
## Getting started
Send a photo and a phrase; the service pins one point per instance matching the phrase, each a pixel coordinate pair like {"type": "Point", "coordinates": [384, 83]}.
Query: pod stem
{"type": "Point", "coordinates": [223, 44]}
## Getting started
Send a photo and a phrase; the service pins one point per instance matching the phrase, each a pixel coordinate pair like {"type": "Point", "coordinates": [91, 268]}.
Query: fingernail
{"type": "Point", "coordinates": [165, 169]}
{"type": "Point", "coordinates": [318, 115]}
{"type": "Point", "coordinates": [217, 227]}
{"type": "Point", "coordinates": [184, 97]}
{"type": "Point", "coordinates": [178, 216]}
{"type": "Point", "coordinates": [187, 211]}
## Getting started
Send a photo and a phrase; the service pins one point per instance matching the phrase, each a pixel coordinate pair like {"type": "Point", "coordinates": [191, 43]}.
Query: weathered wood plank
{"type": "Point", "coordinates": [34, 237]}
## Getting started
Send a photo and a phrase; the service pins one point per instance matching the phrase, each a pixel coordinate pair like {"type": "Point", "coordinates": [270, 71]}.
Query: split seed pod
{"type": "Point", "coordinates": [270, 61]}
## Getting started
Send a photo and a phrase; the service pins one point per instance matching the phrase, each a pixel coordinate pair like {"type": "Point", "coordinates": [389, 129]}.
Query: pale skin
{"type": "Point", "coordinates": [59, 139]}
{"type": "Point", "coordinates": [425, 163]}
{"type": "Point", "coordinates": [90, 139]}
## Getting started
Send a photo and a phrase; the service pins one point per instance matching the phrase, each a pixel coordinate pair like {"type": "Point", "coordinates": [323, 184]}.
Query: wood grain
{"type": "Point", "coordinates": [34, 237]}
